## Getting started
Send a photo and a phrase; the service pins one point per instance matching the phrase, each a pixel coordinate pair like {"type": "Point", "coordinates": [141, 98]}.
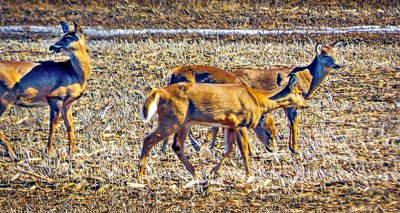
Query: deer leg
{"type": "Point", "coordinates": [291, 114]}
{"type": "Point", "coordinates": [67, 116]}
{"type": "Point", "coordinates": [194, 142]}
{"type": "Point", "coordinates": [243, 144]}
{"type": "Point", "coordinates": [159, 134]}
{"type": "Point", "coordinates": [229, 137]}
{"type": "Point", "coordinates": [250, 148]}
{"type": "Point", "coordinates": [164, 144]}
{"type": "Point", "coordinates": [3, 141]}
{"type": "Point", "coordinates": [55, 106]}
{"type": "Point", "coordinates": [179, 147]}
{"type": "Point", "coordinates": [270, 124]}
{"type": "Point", "coordinates": [214, 131]}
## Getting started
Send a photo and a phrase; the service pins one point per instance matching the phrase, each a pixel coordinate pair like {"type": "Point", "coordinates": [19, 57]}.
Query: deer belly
{"type": "Point", "coordinates": [31, 103]}
{"type": "Point", "coordinates": [244, 119]}
{"type": "Point", "coordinates": [31, 97]}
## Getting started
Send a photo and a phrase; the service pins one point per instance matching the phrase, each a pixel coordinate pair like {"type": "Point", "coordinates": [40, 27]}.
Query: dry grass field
{"type": "Point", "coordinates": [349, 138]}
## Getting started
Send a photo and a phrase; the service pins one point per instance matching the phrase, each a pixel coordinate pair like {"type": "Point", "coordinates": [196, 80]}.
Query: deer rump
{"type": "Point", "coordinates": [206, 104]}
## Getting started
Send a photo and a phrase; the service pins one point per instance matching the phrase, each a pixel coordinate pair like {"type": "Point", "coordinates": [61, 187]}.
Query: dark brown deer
{"type": "Point", "coordinates": [309, 79]}
{"type": "Point", "coordinates": [48, 83]}
{"type": "Point", "coordinates": [234, 107]}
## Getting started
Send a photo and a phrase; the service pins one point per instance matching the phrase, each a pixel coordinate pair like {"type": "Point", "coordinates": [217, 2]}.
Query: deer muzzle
{"type": "Point", "coordinates": [337, 66]}
{"type": "Point", "coordinates": [55, 48]}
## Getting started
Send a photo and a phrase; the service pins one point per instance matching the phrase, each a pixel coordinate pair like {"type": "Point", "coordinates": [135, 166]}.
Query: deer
{"type": "Point", "coordinates": [57, 84]}
{"type": "Point", "coordinates": [231, 106]}
{"type": "Point", "coordinates": [309, 77]}
{"type": "Point", "coordinates": [189, 74]}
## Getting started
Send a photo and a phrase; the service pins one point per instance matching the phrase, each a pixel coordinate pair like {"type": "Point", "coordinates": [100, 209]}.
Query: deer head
{"type": "Point", "coordinates": [327, 57]}
{"type": "Point", "coordinates": [71, 40]}
{"type": "Point", "coordinates": [291, 95]}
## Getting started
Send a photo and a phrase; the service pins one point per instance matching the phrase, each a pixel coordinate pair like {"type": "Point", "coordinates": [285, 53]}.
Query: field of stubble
{"type": "Point", "coordinates": [349, 137]}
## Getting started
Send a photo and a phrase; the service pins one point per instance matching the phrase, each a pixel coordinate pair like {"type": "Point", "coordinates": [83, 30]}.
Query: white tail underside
{"type": "Point", "coordinates": [152, 109]}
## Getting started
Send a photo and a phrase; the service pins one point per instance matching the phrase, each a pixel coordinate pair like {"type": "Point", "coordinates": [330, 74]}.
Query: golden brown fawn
{"type": "Point", "coordinates": [54, 83]}
{"type": "Point", "coordinates": [231, 106]}
{"type": "Point", "coordinates": [309, 78]}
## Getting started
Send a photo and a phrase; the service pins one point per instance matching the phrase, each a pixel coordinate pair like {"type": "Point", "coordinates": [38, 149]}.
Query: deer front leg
{"type": "Point", "coordinates": [194, 142]}
{"type": "Point", "coordinates": [55, 107]}
{"type": "Point", "coordinates": [67, 116]}
{"type": "Point", "coordinates": [159, 134]}
{"type": "Point", "coordinates": [179, 147]}
{"type": "Point", "coordinates": [164, 144]}
{"type": "Point", "coordinates": [291, 113]}
{"type": "Point", "coordinates": [244, 145]}
{"type": "Point", "coordinates": [3, 141]}
{"type": "Point", "coordinates": [229, 137]}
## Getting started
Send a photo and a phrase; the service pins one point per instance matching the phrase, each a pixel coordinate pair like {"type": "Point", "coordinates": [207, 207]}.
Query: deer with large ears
{"type": "Point", "coordinates": [234, 107]}
{"type": "Point", "coordinates": [48, 83]}
{"type": "Point", "coordinates": [309, 79]}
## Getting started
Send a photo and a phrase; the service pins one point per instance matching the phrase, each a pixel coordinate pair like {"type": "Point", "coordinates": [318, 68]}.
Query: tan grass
{"type": "Point", "coordinates": [349, 138]}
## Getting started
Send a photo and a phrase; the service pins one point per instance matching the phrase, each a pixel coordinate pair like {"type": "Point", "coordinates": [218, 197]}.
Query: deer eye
{"type": "Point", "coordinates": [69, 37]}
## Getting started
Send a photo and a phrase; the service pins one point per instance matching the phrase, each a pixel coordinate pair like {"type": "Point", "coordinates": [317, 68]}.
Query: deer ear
{"type": "Point", "coordinates": [292, 82]}
{"type": "Point", "coordinates": [279, 79]}
{"type": "Point", "coordinates": [64, 26]}
{"type": "Point", "coordinates": [337, 44]}
{"type": "Point", "coordinates": [318, 48]}
{"type": "Point", "coordinates": [77, 28]}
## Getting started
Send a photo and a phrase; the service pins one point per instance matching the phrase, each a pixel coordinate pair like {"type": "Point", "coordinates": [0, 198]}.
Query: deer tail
{"type": "Point", "coordinates": [149, 107]}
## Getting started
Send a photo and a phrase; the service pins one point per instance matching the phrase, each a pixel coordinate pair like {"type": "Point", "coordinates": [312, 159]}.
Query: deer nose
{"type": "Point", "coordinates": [55, 48]}
{"type": "Point", "coordinates": [337, 66]}
{"type": "Point", "coordinates": [305, 105]}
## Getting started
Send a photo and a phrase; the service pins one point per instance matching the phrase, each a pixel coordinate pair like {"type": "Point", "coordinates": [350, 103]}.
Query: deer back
{"type": "Point", "coordinates": [224, 105]}
{"type": "Point", "coordinates": [202, 74]}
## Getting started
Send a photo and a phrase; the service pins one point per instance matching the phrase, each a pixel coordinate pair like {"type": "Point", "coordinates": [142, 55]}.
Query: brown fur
{"type": "Point", "coordinates": [48, 83]}
{"type": "Point", "coordinates": [309, 79]}
{"type": "Point", "coordinates": [230, 106]}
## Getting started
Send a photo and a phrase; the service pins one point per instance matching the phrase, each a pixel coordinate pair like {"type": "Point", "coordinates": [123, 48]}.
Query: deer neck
{"type": "Point", "coordinates": [266, 104]}
{"type": "Point", "coordinates": [318, 73]}
{"type": "Point", "coordinates": [81, 64]}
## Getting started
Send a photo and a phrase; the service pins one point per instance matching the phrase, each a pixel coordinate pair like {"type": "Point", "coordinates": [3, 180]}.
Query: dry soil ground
{"type": "Point", "coordinates": [349, 137]}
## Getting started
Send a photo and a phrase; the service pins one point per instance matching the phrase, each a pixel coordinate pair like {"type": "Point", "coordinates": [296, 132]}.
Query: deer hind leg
{"type": "Point", "coordinates": [293, 119]}
{"type": "Point", "coordinates": [229, 137]}
{"type": "Point", "coordinates": [194, 142]}
{"type": "Point", "coordinates": [67, 116]}
{"type": "Point", "coordinates": [243, 144]}
{"type": "Point", "coordinates": [55, 108]}
{"type": "Point", "coordinates": [159, 134]}
{"type": "Point", "coordinates": [179, 147]}
{"type": "Point", "coordinates": [3, 141]}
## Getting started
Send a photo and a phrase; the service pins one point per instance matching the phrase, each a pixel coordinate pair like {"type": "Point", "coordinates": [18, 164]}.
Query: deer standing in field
{"type": "Point", "coordinates": [48, 83]}
{"type": "Point", "coordinates": [309, 78]}
{"type": "Point", "coordinates": [189, 74]}
{"type": "Point", "coordinates": [234, 107]}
